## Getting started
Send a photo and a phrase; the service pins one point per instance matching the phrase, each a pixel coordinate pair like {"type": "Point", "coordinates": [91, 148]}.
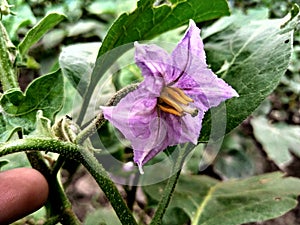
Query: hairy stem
{"type": "Point", "coordinates": [90, 129]}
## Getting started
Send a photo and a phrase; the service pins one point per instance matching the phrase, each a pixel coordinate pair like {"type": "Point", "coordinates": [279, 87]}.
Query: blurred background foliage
{"type": "Point", "coordinates": [244, 152]}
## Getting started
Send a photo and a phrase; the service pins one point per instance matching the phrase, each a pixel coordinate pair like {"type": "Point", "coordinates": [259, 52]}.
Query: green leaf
{"type": "Point", "coordinates": [148, 20]}
{"type": "Point", "coordinates": [71, 94]}
{"type": "Point", "coordinates": [77, 62]}
{"type": "Point", "coordinates": [250, 57]}
{"type": "Point", "coordinates": [35, 34]}
{"type": "Point", "coordinates": [115, 7]}
{"type": "Point", "coordinates": [234, 164]}
{"type": "Point", "coordinates": [277, 140]}
{"type": "Point", "coordinates": [237, 157]}
{"type": "Point", "coordinates": [44, 93]}
{"type": "Point", "coordinates": [209, 202]}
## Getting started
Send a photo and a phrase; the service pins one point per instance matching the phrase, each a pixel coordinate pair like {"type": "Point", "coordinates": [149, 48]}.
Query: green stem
{"type": "Point", "coordinates": [165, 200]}
{"type": "Point", "coordinates": [39, 144]}
{"type": "Point", "coordinates": [53, 220]}
{"type": "Point", "coordinates": [170, 186]}
{"type": "Point", "coordinates": [58, 164]}
{"type": "Point", "coordinates": [90, 129]}
{"type": "Point", "coordinates": [8, 76]}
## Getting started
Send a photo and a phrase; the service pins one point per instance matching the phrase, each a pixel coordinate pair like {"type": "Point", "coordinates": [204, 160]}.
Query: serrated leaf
{"type": "Point", "coordinates": [277, 140]}
{"type": "Point", "coordinates": [252, 58]}
{"type": "Point", "coordinates": [35, 33]}
{"type": "Point", "coordinates": [209, 202]}
{"type": "Point", "coordinates": [77, 62]}
{"type": "Point", "coordinates": [44, 93]}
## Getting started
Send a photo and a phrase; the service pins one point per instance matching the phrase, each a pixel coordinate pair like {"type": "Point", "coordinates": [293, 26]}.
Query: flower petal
{"type": "Point", "coordinates": [151, 59]}
{"type": "Point", "coordinates": [183, 129]}
{"type": "Point", "coordinates": [206, 89]}
{"type": "Point", "coordinates": [152, 85]}
{"type": "Point", "coordinates": [188, 54]}
{"type": "Point", "coordinates": [132, 114]}
{"type": "Point", "coordinates": [157, 141]}
{"type": "Point", "coordinates": [135, 116]}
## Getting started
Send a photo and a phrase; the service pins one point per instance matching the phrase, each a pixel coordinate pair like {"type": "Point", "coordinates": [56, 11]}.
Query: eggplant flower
{"type": "Point", "coordinates": [168, 106]}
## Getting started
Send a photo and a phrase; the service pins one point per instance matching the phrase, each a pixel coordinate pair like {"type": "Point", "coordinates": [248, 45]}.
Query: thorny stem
{"type": "Point", "coordinates": [90, 129]}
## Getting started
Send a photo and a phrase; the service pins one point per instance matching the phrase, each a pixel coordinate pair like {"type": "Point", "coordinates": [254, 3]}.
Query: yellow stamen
{"type": "Point", "coordinates": [170, 110]}
{"type": "Point", "coordinates": [176, 95]}
{"type": "Point", "coordinates": [165, 98]}
{"type": "Point", "coordinates": [174, 101]}
{"type": "Point", "coordinates": [183, 95]}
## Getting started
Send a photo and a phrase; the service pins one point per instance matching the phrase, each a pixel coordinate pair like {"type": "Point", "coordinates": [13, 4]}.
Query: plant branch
{"type": "Point", "coordinates": [90, 129]}
{"type": "Point", "coordinates": [40, 144]}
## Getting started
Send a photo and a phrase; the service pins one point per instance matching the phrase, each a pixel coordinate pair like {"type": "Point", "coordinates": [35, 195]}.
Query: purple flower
{"type": "Point", "coordinates": [168, 106]}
